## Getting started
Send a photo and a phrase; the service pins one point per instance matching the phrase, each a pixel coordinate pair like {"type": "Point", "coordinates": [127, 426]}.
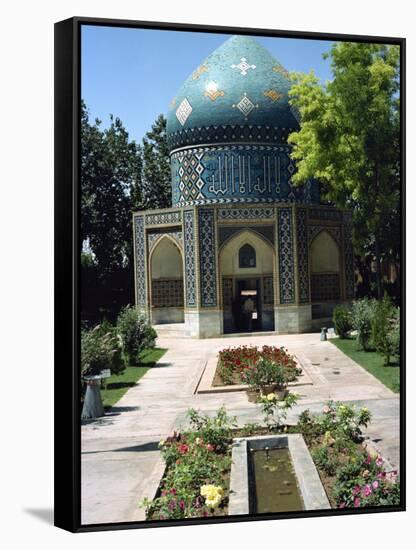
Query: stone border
{"type": "Point", "coordinates": [205, 384]}
{"type": "Point", "coordinates": [310, 486]}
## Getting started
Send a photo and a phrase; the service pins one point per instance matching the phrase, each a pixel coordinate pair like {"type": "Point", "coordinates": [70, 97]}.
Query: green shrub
{"type": "Point", "coordinates": [363, 312]}
{"type": "Point", "coordinates": [384, 331]}
{"type": "Point", "coordinates": [394, 334]}
{"type": "Point", "coordinates": [136, 333]}
{"type": "Point", "coordinates": [342, 321]}
{"type": "Point", "coordinates": [101, 349]}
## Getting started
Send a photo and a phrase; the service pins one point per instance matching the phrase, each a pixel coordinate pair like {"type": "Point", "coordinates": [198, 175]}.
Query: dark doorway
{"type": "Point", "coordinates": [248, 304]}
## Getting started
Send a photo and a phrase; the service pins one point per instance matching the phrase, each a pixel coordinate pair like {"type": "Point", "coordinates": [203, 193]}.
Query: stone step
{"type": "Point", "coordinates": [171, 330]}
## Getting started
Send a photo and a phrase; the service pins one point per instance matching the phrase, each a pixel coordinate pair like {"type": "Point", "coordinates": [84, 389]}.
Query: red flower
{"type": "Point", "coordinates": [182, 505]}
{"type": "Point", "coordinates": [183, 449]}
{"type": "Point", "coordinates": [210, 447]}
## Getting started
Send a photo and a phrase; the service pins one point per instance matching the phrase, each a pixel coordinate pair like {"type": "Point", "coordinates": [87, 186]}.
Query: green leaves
{"type": "Point", "coordinates": [349, 138]}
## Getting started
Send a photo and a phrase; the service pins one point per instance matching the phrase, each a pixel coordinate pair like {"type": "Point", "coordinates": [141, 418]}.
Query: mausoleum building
{"type": "Point", "coordinates": [241, 249]}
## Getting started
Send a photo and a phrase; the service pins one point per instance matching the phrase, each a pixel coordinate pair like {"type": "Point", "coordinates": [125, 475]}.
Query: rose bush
{"type": "Point", "coordinates": [257, 367]}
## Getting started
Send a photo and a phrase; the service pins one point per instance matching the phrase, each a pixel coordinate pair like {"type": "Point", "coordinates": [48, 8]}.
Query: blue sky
{"type": "Point", "coordinates": [134, 73]}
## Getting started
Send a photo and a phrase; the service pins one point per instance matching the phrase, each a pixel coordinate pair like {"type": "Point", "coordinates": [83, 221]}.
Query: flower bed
{"type": "Point", "coordinates": [238, 365]}
{"type": "Point", "coordinates": [352, 477]}
{"type": "Point", "coordinates": [198, 461]}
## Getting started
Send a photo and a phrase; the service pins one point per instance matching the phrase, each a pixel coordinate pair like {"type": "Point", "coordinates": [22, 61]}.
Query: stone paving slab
{"type": "Point", "coordinates": [120, 460]}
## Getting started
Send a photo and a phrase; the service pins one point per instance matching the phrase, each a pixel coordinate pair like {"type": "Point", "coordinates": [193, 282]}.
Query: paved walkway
{"type": "Point", "coordinates": [120, 459]}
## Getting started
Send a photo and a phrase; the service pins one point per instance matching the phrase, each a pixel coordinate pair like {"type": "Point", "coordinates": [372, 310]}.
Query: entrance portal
{"type": "Point", "coordinates": [248, 301]}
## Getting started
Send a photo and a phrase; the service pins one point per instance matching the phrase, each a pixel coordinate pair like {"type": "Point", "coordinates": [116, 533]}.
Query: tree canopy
{"type": "Point", "coordinates": [349, 140]}
{"type": "Point", "coordinates": [118, 177]}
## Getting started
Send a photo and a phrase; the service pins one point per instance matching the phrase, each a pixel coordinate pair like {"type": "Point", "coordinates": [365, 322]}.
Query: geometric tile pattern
{"type": "Point", "coordinates": [164, 218]}
{"type": "Point", "coordinates": [140, 261]}
{"type": "Point", "coordinates": [190, 275]}
{"type": "Point", "coordinates": [349, 262]}
{"type": "Point", "coordinates": [325, 214]}
{"type": "Point", "coordinates": [207, 260]}
{"type": "Point", "coordinates": [226, 174]}
{"type": "Point", "coordinates": [325, 286]}
{"type": "Point", "coordinates": [334, 231]}
{"type": "Point", "coordinates": [227, 132]}
{"type": "Point", "coordinates": [303, 252]}
{"type": "Point", "coordinates": [244, 213]}
{"type": "Point", "coordinates": [227, 292]}
{"type": "Point", "coordinates": [227, 231]}
{"type": "Point", "coordinates": [286, 260]}
{"type": "Point", "coordinates": [183, 111]}
{"type": "Point", "coordinates": [153, 238]}
{"type": "Point", "coordinates": [167, 293]}
{"type": "Point", "coordinates": [190, 181]}
{"type": "Point", "coordinates": [268, 295]}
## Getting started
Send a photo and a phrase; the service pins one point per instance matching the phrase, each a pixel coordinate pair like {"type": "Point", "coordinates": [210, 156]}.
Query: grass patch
{"type": "Point", "coordinates": [372, 361]}
{"type": "Point", "coordinates": [117, 385]}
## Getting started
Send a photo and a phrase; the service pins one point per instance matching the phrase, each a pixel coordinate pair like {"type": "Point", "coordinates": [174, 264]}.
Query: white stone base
{"type": "Point", "coordinates": [203, 324]}
{"type": "Point", "coordinates": [161, 315]}
{"type": "Point", "coordinates": [292, 319]}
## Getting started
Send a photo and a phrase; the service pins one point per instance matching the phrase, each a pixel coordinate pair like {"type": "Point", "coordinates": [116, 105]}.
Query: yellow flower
{"type": "Point", "coordinates": [161, 443]}
{"type": "Point", "coordinates": [213, 495]}
{"type": "Point", "coordinates": [271, 397]}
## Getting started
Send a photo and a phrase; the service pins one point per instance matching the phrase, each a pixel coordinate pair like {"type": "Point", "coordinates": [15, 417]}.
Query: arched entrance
{"type": "Point", "coordinates": [166, 275]}
{"type": "Point", "coordinates": [246, 263]}
{"type": "Point", "coordinates": [325, 274]}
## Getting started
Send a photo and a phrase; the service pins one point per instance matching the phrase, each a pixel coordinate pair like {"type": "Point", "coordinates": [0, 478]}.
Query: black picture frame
{"type": "Point", "coordinates": [67, 273]}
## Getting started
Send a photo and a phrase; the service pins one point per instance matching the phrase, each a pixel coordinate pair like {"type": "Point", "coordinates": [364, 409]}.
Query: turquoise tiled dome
{"type": "Point", "coordinates": [238, 94]}
{"type": "Point", "coordinates": [227, 131]}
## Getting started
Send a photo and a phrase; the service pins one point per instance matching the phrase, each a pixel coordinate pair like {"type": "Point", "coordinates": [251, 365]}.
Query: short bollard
{"type": "Point", "coordinates": [324, 330]}
{"type": "Point", "coordinates": [93, 404]}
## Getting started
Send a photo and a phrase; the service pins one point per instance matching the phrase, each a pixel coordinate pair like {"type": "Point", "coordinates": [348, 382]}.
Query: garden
{"type": "Point", "coordinates": [196, 482]}
{"type": "Point", "coordinates": [261, 370]}
{"type": "Point", "coordinates": [369, 333]}
{"type": "Point", "coordinates": [119, 353]}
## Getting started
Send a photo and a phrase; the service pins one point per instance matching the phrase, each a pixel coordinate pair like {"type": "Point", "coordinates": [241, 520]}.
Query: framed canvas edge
{"type": "Point", "coordinates": [67, 427]}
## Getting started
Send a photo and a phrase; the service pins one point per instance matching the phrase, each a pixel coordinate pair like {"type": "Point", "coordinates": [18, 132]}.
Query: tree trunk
{"type": "Point", "coordinates": [93, 405]}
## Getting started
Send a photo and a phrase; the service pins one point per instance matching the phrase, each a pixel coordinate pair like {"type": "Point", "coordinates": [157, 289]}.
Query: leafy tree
{"type": "Point", "coordinates": [349, 139]}
{"type": "Point", "coordinates": [156, 190]}
{"type": "Point", "coordinates": [111, 168]}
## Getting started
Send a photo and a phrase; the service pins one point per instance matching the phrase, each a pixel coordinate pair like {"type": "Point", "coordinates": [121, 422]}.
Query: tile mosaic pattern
{"type": "Point", "coordinates": [325, 287]}
{"type": "Point", "coordinates": [268, 295]}
{"type": "Point", "coordinates": [303, 253]}
{"type": "Point", "coordinates": [228, 231]}
{"type": "Point", "coordinates": [153, 238]}
{"type": "Point", "coordinates": [237, 173]}
{"type": "Point", "coordinates": [349, 262]}
{"type": "Point", "coordinates": [245, 213]}
{"type": "Point", "coordinates": [167, 293]}
{"type": "Point", "coordinates": [189, 246]}
{"type": "Point", "coordinates": [140, 260]}
{"type": "Point", "coordinates": [286, 260]}
{"type": "Point", "coordinates": [161, 218]}
{"type": "Point", "coordinates": [334, 231]}
{"type": "Point", "coordinates": [325, 214]}
{"type": "Point", "coordinates": [207, 259]}
{"type": "Point", "coordinates": [227, 292]}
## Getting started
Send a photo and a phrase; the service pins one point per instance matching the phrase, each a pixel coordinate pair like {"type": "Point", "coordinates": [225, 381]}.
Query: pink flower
{"type": "Point", "coordinates": [326, 409]}
{"type": "Point", "coordinates": [210, 447]}
{"type": "Point", "coordinates": [367, 490]}
{"type": "Point", "coordinates": [368, 460]}
{"type": "Point", "coordinates": [356, 490]}
{"type": "Point", "coordinates": [173, 491]}
{"type": "Point", "coordinates": [183, 449]}
{"type": "Point", "coordinates": [342, 505]}
{"type": "Point", "coordinates": [182, 505]}
{"type": "Point", "coordinates": [357, 502]}
{"type": "Point", "coordinates": [375, 484]}
{"type": "Point", "coordinates": [379, 461]}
